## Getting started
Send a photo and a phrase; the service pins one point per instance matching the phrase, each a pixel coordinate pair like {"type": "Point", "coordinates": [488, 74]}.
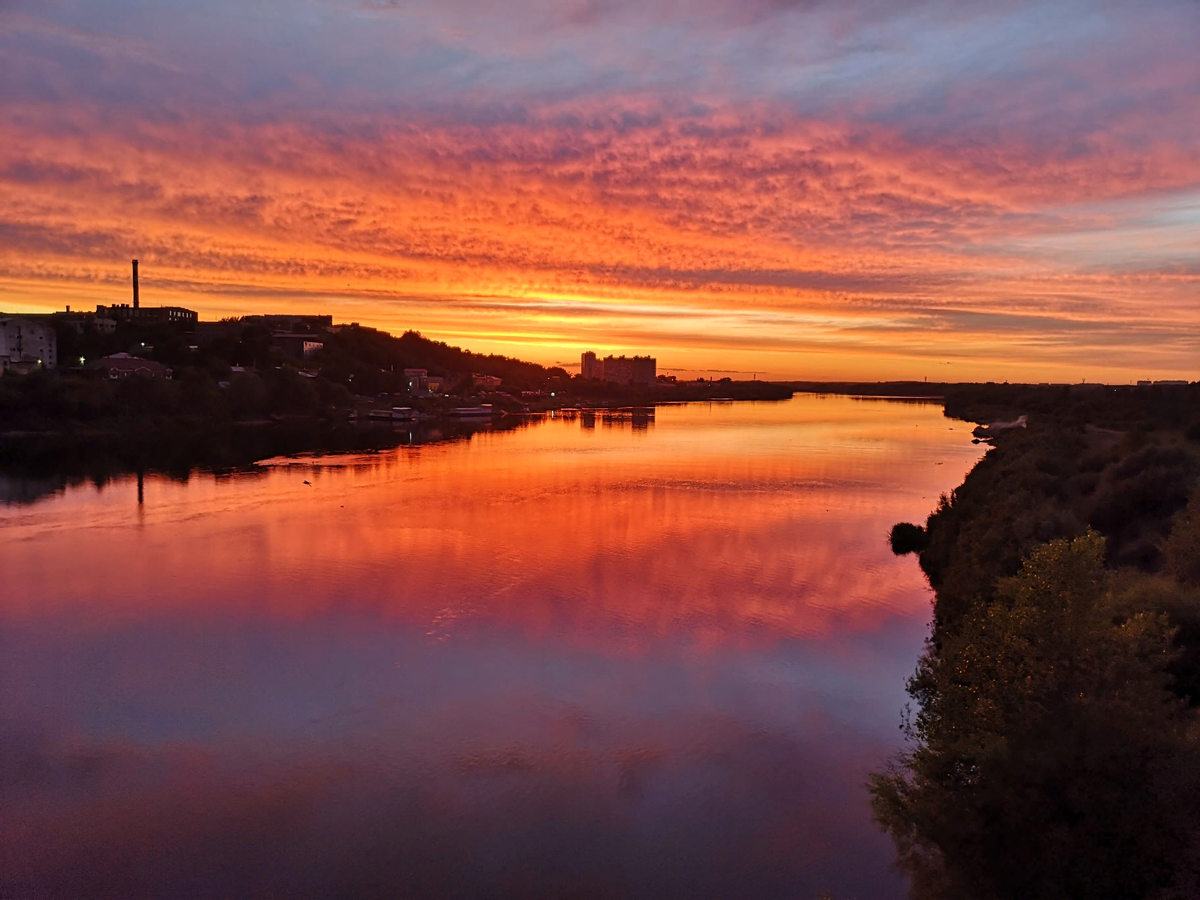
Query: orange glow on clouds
{"type": "Point", "coordinates": [954, 221]}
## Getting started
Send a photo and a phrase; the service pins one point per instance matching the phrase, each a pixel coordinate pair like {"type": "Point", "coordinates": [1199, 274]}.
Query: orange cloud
{"type": "Point", "coordinates": [866, 240]}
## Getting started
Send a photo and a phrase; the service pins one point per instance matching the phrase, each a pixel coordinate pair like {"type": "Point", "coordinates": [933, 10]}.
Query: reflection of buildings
{"type": "Point", "coordinates": [639, 418]}
{"type": "Point", "coordinates": [619, 369]}
{"type": "Point", "coordinates": [642, 420]}
{"type": "Point", "coordinates": [21, 491]}
{"type": "Point", "coordinates": [25, 345]}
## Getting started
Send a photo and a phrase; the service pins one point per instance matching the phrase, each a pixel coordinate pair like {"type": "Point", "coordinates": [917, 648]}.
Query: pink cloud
{"type": "Point", "coordinates": [982, 192]}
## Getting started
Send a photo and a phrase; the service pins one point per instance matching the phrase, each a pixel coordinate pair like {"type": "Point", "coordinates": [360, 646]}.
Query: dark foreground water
{"type": "Point", "coordinates": [585, 658]}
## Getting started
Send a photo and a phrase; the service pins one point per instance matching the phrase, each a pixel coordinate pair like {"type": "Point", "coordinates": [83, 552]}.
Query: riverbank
{"type": "Point", "coordinates": [74, 400]}
{"type": "Point", "coordinates": [1053, 746]}
{"type": "Point", "coordinates": [65, 439]}
{"type": "Point", "coordinates": [96, 455]}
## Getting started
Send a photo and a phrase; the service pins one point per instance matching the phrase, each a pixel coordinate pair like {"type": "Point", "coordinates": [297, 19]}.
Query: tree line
{"type": "Point", "coordinates": [1054, 745]}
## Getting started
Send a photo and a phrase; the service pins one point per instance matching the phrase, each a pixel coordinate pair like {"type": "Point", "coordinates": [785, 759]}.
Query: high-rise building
{"type": "Point", "coordinates": [589, 367]}
{"type": "Point", "coordinates": [620, 369]}
{"type": "Point", "coordinates": [630, 369]}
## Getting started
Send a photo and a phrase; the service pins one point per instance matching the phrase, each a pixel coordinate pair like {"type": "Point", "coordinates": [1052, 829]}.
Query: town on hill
{"type": "Point", "coordinates": [164, 366]}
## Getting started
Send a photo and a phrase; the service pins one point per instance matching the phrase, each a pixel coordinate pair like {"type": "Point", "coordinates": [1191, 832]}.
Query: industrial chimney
{"type": "Point", "coordinates": [135, 286]}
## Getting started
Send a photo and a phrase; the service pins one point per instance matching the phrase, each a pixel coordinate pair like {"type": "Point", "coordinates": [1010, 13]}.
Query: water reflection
{"type": "Point", "coordinates": [656, 657]}
{"type": "Point", "coordinates": [39, 466]}
{"type": "Point", "coordinates": [25, 490]}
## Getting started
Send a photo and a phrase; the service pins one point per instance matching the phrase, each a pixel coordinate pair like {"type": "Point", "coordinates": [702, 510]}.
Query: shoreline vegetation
{"type": "Point", "coordinates": [1053, 743]}
{"type": "Point", "coordinates": [248, 378]}
{"type": "Point", "coordinates": [233, 401]}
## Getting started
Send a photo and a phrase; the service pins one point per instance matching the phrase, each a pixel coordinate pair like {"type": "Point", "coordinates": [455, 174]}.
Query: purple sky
{"type": "Point", "coordinates": [806, 189]}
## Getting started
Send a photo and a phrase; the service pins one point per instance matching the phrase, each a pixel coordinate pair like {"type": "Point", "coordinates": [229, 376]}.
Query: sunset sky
{"type": "Point", "coordinates": [787, 188]}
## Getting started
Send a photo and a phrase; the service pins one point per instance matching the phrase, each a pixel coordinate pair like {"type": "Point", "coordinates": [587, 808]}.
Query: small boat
{"type": "Point", "coordinates": [395, 414]}
{"type": "Point", "coordinates": [483, 411]}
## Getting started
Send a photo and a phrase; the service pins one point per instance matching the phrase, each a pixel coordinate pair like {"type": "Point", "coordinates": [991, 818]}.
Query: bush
{"type": "Point", "coordinates": [908, 538]}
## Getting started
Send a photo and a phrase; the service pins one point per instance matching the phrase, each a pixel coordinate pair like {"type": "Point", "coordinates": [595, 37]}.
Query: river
{"type": "Point", "coordinates": [589, 657]}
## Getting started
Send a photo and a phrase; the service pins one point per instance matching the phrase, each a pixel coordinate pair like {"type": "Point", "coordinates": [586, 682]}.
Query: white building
{"type": "Point", "coordinates": [26, 344]}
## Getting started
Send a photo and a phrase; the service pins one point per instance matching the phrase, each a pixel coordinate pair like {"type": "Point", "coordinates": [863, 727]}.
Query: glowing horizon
{"type": "Point", "coordinates": [794, 190]}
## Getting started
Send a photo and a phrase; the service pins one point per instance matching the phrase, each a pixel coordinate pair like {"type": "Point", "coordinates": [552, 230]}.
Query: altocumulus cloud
{"type": "Point", "coordinates": [822, 161]}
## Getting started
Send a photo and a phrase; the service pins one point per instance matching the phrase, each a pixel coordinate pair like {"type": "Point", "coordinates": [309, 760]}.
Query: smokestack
{"type": "Point", "coordinates": [135, 292]}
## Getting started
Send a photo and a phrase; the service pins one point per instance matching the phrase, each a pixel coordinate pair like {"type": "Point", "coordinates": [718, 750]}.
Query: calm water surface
{"type": "Point", "coordinates": [579, 659]}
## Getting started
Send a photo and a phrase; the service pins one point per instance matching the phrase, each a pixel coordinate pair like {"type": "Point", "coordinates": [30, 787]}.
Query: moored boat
{"type": "Point", "coordinates": [395, 414]}
{"type": "Point", "coordinates": [483, 411]}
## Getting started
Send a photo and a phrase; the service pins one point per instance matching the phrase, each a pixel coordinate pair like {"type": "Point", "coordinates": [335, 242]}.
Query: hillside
{"type": "Point", "coordinates": [371, 356]}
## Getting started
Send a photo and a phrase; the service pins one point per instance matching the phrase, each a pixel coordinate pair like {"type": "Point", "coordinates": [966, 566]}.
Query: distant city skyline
{"type": "Point", "coordinates": [819, 190]}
